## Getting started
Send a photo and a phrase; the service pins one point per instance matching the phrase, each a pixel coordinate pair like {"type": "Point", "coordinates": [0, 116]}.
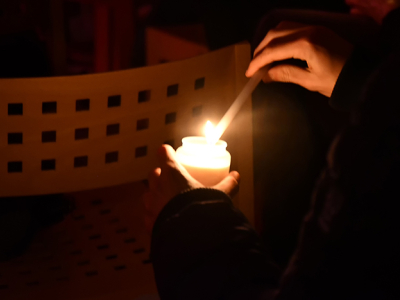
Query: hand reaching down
{"type": "Point", "coordinates": [324, 52]}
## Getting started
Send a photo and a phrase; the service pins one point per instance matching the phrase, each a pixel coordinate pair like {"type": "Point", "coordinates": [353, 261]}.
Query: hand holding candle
{"type": "Point", "coordinates": [171, 179]}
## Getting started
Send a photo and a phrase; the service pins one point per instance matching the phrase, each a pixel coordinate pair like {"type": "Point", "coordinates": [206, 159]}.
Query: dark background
{"type": "Point", "coordinates": [28, 42]}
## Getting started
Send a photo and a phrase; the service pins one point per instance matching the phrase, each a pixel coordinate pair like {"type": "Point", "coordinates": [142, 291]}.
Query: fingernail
{"type": "Point", "coordinates": [235, 175]}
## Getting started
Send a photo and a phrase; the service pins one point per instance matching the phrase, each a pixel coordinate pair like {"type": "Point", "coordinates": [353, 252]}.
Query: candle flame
{"type": "Point", "coordinates": [210, 133]}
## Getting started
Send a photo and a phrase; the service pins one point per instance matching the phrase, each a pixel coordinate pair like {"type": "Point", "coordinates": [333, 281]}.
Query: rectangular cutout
{"type": "Point", "coordinates": [105, 211]}
{"type": "Point", "coordinates": [49, 107]}
{"type": "Point", "coordinates": [129, 241]}
{"type": "Point", "coordinates": [146, 261]}
{"type": "Point", "coordinates": [114, 256]}
{"type": "Point", "coordinates": [80, 161]}
{"type": "Point", "coordinates": [199, 83]}
{"type": "Point", "coordinates": [14, 167]}
{"type": "Point", "coordinates": [111, 157]}
{"type": "Point", "coordinates": [122, 230]}
{"type": "Point", "coordinates": [170, 142]}
{"type": "Point", "coordinates": [82, 105]}
{"type": "Point", "coordinates": [112, 129]}
{"type": "Point", "coordinates": [27, 272]}
{"type": "Point", "coordinates": [141, 151]}
{"type": "Point", "coordinates": [142, 124]}
{"type": "Point", "coordinates": [15, 109]}
{"type": "Point", "coordinates": [114, 101]}
{"type": "Point", "coordinates": [65, 278]}
{"type": "Point", "coordinates": [197, 111]}
{"type": "Point", "coordinates": [15, 138]}
{"type": "Point", "coordinates": [144, 96]}
{"type": "Point", "coordinates": [172, 90]}
{"type": "Point", "coordinates": [95, 237]}
{"type": "Point", "coordinates": [87, 227]}
{"type": "Point", "coordinates": [139, 250]}
{"type": "Point", "coordinates": [49, 136]}
{"type": "Point", "coordinates": [119, 268]}
{"type": "Point", "coordinates": [97, 202]}
{"type": "Point", "coordinates": [48, 164]}
{"type": "Point", "coordinates": [76, 252]}
{"type": "Point", "coordinates": [79, 217]}
{"type": "Point", "coordinates": [170, 118]}
{"type": "Point", "coordinates": [81, 133]}
{"type": "Point", "coordinates": [91, 273]}
{"type": "Point", "coordinates": [102, 247]}
{"type": "Point", "coordinates": [83, 263]}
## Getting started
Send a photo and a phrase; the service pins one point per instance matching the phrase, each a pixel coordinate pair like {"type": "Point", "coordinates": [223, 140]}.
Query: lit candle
{"type": "Point", "coordinates": [206, 161]}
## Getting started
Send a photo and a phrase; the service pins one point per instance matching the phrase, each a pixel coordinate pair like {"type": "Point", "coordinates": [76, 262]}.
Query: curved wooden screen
{"type": "Point", "coordinates": [66, 134]}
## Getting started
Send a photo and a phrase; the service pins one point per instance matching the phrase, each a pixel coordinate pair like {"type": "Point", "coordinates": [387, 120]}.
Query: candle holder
{"type": "Point", "coordinates": [205, 162]}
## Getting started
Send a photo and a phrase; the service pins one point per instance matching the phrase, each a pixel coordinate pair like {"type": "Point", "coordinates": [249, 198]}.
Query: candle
{"type": "Point", "coordinates": [206, 161]}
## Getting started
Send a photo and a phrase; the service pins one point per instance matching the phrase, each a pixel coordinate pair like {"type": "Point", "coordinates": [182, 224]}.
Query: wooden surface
{"type": "Point", "coordinates": [141, 124]}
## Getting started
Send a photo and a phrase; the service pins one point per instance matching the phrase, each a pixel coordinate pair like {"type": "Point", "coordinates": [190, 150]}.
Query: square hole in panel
{"type": "Point", "coordinates": [15, 138]}
{"type": "Point", "coordinates": [144, 96]}
{"type": "Point", "coordinates": [142, 124]}
{"type": "Point", "coordinates": [170, 118]}
{"type": "Point", "coordinates": [48, 164]}
{"type": "Point", "coordinates": [170, 142]}
{"type": "Point", "coordinates": [15, 109]}
{"type": "Point", "coordinates": [81, 133]}
{"type": "Point", "coordinates": [82, 104]}
{"type": "Point", "coordinates": [141, 151]}
{"type": "Point", "coordinates": [80, 161]}
{"type": "Point", "coordinates": [197, 111]}
{"type": "Point", "coordinates": [199, 83]}
{"type": "Point", "coordinates": [14, 166]}
{"type": "Point", "coordinates": [114, 101]}
{"type": "Point", "coordinates": [49, 136]}
{"type": "Point", "coordinates": [112, 129]}
{"type": "Point", "coordinates": [49, 107]}
{"type": "Point", "coordinates": [172, 90]}
{"type": "Point", "coordinates": [111, 157]}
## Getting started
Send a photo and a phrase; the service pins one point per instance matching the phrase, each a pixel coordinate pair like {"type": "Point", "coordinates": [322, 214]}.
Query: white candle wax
{"type": "Point", "coordinates": [205, 162]}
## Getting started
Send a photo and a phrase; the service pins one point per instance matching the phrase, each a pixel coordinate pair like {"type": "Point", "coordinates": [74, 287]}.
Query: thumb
{"type": "Point", "coordinates": [166, 155]}
{"type": "Point", "coordinates": [230, 184]}
{"type": "Point", "coordinates": [289, 73]}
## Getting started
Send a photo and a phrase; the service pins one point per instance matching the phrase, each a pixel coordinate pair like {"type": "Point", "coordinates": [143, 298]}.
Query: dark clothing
{"type": "Point", "coordinates": [203, 248]}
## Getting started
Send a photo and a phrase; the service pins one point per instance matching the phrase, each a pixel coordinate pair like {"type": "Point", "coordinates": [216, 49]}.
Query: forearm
{"type": "Point", "coordinates": [353, 77]}
{"type": "Point", "coordinates": [203, 248]}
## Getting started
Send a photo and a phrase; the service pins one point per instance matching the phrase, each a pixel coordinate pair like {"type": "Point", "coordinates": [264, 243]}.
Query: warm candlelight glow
{"type": "Point", "coordinates": [205, 158]}
{"type": "Point", "coordinates": [209, 133]}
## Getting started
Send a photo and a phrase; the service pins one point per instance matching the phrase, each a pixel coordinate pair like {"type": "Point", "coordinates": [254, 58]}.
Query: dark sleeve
{"type": "Point", "coordinates": [204, 248]}
{"type": "Point", "coordinates": [352, 79]}
{"type": "Point", "coordinates": [347, 247]}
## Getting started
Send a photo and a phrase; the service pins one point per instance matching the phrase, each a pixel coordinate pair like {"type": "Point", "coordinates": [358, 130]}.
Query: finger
{"type": "Point", "coordinates": [154, 179]}
{"type": "Point", "coordinates": [293, 46]}
{"type": "Point", "coordinates": [276, 33]}
{"type": "Point", "coordinates": [166, 156]}
{"type": "Point", "coordinates": [230, 184]}
{"type": "Point", "coordinates": [289, 73]}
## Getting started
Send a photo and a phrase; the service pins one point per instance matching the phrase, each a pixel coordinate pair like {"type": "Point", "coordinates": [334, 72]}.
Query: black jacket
{"type": "Point", "coordinates": [204, 248]}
